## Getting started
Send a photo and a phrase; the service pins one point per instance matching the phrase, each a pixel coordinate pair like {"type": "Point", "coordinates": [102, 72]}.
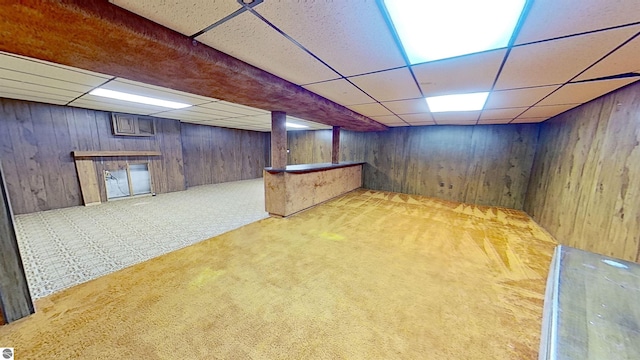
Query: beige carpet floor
{"type": "Point", "coordinates": [370, 275]}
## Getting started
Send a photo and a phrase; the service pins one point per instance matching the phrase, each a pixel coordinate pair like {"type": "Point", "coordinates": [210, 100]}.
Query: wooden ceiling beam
{"type": "Point", "coordinates": [98, 36]}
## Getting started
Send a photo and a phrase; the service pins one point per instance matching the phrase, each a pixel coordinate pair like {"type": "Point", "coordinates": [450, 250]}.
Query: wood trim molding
{"type": "Point", "coordinates": [92, 154]}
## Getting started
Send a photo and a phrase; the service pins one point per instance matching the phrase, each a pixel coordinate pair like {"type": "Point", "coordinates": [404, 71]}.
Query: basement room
{"type": "Point", "coordinates": [284, 179]}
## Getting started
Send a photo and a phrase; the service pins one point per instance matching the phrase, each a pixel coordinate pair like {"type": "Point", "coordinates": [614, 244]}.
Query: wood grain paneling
{"type": "Point", "coordinates": [486, 165]}
{"type": "Point", "coordinates": [15, 299]}
{"type": "Point", "coordinates": [214, 155]}
{"type": "Point", "coordinates": [584, 186]}
{"type": "Point", "coordinates": [37, 141]}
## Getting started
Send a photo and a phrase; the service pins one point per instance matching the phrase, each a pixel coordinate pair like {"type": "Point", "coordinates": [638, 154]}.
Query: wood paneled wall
{"type": "Point", "coordinates": [213, 155]}
{"type": "Point", "coordinates": [37, 139]}
{"type": "Point", "coordinates": [487, 164]}
{"type": "Point", "coordinates": [585, 183]}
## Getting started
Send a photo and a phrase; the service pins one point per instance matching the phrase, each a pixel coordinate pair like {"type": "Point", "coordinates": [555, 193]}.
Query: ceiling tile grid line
{"type": "Point", "coordinates": [87, 92]}
{"type": "Point", "coordinates": [516, 32]}
{"type": "Point", "coordinates": [579, 34]}
{"type": "Point", "coordinates": [581, 72]}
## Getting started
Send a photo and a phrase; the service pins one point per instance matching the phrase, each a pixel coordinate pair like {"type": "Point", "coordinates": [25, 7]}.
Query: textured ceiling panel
{"type": "Point", "coordinates": [529, 120]}
{"type": "Point", "coordinates": [37, 97]}
{"type": "Point", "coordinates": [104, 104]}
{"type": "Point", "coordinates": [24, 87]}
{"type": "Point", "coordinates": [389, 85]}
{"type": "Point", "coordinates": [417, 118]}
{"type": "Point", "coordinates": [546, 111]}
{"type": "Point", "coordinates": [584, 92]}
{"type": "Point", "coordinates": [466, 74]}
{"type": "Point", "coordinates": [340, 91]}
{"type": "Point", "coordinates": [44, 81]}
{"type": "Point", "coordinates": [494, 114]}
{"type": "Point", "coordinates": [553, 18]}
{"type": "Point", "coordinates": [233, 108]}
{"type": "Point", "coordinates": [351, 36]}
{"type": "Point", "coordinates": [154, 92]}
{"type": "Point", "coordinates": [370, 109]}
{"type": "Point", "coordinates": [251, 40]}
{"type": "Point", "coordinates": [407, 106]}
{"type": "Point", "coordinates": [388, 119]}
{"type": "Point", "coordinates": [186, 17]}
{"type": "Point", "coordinates": [517, 98]}
{"type": "Point", "coordinates": [624, 60]}
{"type": "Point", "coordinates": [556, 62]}
{"type": "Point", "coordinates": [50, 70]}
{"type": "Point", "coordinates": [456, 116]}
{"type": "Point", "coordinates": [493, 121]}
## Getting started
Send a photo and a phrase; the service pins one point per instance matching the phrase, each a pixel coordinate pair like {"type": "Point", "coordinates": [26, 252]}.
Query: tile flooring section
{"type": "Point", "coordinates": [64, 247]}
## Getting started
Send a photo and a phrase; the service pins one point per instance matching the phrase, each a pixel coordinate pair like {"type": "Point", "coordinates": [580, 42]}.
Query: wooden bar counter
{"type": "Point", "coordinates": [298, 187]}
{"type": "Point", "coordinates": [592, 308]}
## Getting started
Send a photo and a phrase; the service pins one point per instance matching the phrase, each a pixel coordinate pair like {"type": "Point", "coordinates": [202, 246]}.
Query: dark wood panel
{"type": "Point", "coordinates": [584, 186]}
{"type": "Point", "coordinates": [38, 139]}
{"type": "Point", "coordinates": [487, 165]}
{"type": "Point", "coordinates": [214, 155]}
{"type": "Point", "coordinates": [15, 299]}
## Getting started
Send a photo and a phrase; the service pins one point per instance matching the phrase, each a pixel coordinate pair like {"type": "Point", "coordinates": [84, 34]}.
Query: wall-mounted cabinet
{"type": "Point", "coordinates": [132, 125]}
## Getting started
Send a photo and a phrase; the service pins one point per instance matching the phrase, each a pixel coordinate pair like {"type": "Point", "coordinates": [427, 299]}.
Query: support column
{"type": "Point", "coordinates": [15, 300]}
{"type": "Point", "coordinates": [278, 139]}
{"type": "Point", "coordinates": [335, 149]}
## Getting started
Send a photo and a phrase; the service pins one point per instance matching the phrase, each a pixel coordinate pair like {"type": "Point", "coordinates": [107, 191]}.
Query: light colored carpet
{"type": "Point", "coordinates": [370, 275]}
{"type": "Point", "coordinates": [65, 247]}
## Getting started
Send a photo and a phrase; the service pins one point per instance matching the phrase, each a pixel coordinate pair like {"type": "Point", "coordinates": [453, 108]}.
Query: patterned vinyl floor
{"type": "Point", "coordinates": [64, 247]}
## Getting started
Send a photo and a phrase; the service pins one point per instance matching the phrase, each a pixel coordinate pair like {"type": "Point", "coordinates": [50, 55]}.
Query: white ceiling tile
{"type": "Point", "coordinates": [517, 98]}
{"type": "Point", "coordinates": [388, 119]}
{"type": "Point", "coordinates": [397, 84]}
{"type": "Point", "coordinates": [14, 85]}
{"type": "Point", "coordinates": [350, 36]}
{"type": "Point", "coordinates": [407, 106]}
{"type": "Point", "coordinates": [191, 113]}
{"type": "Point", "coordinates": [43, 98]}
{"type": "Point", "coordinates": [340, 91]}
{"type": "Point", "coordinates": [546, 111]}
{"type": "Point", "coordinates": [509, 113]}
{"type": "Point", "coordinates": [493, 121]}
{"type": "Point", "coordinates": [398, 125]}
{"type": "Point", "coordinates": [137, 88]}
{"type": "Point", "coordinates": [102, 103]}
{"type": "Point", "coordinates": [416, 118]}
{"type": "Point", "coordinates": [624, 60]}
{"type": "Point", "coordinates": [552, 18]}
{"type": "Point", "coordinates": [424, 123]}
{"type": "Point", "coordinates": [465, 74]}
{"type": "Point", "coordinates": [49, 70]}
{"type": "Point", "coordinates": [557, 61]}
{"type": "Point", "coordinates": [529, 120]}
{"type": "Point", "coordinates": [374, 109]}
{"type": "Point", "coordinates": [43, 81]}
{"type": "Point", "coordinates": [456, 116]}
{"type": "Point", "coordinates": [186, 17]}
{"type": "Point", "coordinates": [233, 108]}
{"type": "Point", "coordinates": [251, 40]}
{"type": "Point", "coordinates": [584, 92]}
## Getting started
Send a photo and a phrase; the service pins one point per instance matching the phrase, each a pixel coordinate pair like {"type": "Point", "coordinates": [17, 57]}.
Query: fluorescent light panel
{"type": "Point", "coordinates": [138, 99]}
{"type": "Point", "coordinates": [458, 102]}
{"type": "Point", "coordinates": [439, 29]}
{"type": "Point", "coordinates": [296, 126]}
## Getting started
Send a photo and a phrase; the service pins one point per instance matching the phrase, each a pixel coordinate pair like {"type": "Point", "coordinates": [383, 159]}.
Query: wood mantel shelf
{"type": "Point", "coordinates": [91, 154]}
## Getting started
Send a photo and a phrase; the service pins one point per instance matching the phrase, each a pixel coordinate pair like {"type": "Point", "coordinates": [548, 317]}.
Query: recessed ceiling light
{"type": "Point", "coordinates": [296, 126]}
{"type": "Point", "coordinates": [438, 29]}
{"type": "Point", "coordinates": [137, 99]}
{"type": "Point", "coordinates": [457, 102]}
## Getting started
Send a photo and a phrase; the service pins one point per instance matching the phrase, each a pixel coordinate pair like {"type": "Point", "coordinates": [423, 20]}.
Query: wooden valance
{"type": "Point", "coordinates": [92, 154]}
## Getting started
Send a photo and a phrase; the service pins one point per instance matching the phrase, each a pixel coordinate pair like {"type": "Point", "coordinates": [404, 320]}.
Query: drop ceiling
{"type": "Point", "coordinates": [564, 54]}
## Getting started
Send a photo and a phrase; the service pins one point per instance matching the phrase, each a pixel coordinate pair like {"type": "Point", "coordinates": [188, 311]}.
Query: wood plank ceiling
{"type": "Point", "coordinates": [333, 63]}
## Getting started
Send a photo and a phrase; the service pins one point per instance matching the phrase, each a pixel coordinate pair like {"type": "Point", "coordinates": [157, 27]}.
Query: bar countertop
{"type": "Point", "coordinates": [305, 168]}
